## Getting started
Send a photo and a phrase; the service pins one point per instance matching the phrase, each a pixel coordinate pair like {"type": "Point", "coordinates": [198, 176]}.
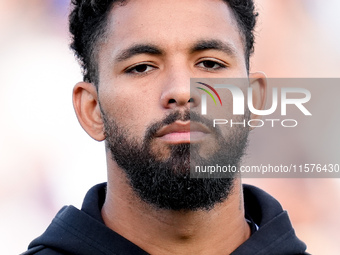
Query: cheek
{"type": "Point", "coordinates": [232, 101]}
{"type": "Point", "coordinates": [132, 110]}
{"type": "Point", "coordinates": [218, 111]}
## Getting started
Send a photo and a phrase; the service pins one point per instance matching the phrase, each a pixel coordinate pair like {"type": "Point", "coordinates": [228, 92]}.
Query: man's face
{"type": "Point", "coordinates": [152, 50]}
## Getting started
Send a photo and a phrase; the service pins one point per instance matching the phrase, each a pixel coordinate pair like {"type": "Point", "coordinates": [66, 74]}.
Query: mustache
{"type": "Point", "coordinates": [180, 116]}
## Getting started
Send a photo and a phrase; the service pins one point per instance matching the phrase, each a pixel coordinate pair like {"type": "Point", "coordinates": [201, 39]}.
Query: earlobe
{"type": "Point", "coordinates": [258, 83]}
{"type": "Point", "coordinates": [86, 106]}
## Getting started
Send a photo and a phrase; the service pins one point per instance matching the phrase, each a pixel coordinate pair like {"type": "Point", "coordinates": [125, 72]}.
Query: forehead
{"type": "Point", "coordinates": [175, 24]}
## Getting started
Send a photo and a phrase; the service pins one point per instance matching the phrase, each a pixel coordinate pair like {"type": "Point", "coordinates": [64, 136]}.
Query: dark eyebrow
{"type": "Point", "coordinates": [214, 45]}
{"type": "Point", "coordinates": [138, 49]}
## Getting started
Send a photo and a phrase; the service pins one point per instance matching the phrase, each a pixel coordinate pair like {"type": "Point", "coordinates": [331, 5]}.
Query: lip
{"type": "Point", "coordinates": [183, 132]}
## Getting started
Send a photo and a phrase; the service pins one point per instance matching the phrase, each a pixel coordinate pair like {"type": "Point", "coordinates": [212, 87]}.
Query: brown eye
{"type": "Point", "coordinates": [140, 69]}
{"type": "Point", "coordinates": [211, 65]}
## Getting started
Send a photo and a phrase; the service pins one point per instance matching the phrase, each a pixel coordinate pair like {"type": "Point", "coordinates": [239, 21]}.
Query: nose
{"type": "Point", "coordinates": [176, 91]}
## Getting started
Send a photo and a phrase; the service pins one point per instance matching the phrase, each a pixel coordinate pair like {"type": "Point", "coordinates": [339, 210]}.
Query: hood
{"type": "Point", "coordinates": [83, 231]}
{"type": "Point", "coordinates": [275, 234]}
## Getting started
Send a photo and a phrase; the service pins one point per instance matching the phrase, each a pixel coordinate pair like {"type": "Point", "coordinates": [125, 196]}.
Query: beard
{"type": "Point", "coordinates": [165, 183]}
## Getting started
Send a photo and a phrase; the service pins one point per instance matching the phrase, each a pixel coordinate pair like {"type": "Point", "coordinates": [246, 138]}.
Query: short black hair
{"type": "Point", "coordinates": [88, 20]}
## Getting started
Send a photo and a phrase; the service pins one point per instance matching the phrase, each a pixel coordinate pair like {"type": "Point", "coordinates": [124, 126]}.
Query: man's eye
{"type": "Point", "coordinates": [140, 69]}
{"type": "Point", "coordinates": [212, 65]}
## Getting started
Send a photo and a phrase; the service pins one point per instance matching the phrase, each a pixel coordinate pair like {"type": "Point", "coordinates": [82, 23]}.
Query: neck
{"type": "Point", "coordinates": [217, 231]}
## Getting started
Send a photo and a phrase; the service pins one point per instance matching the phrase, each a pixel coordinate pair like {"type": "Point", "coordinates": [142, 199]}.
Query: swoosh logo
{"type": "Point", "coordinates": [209, 93]}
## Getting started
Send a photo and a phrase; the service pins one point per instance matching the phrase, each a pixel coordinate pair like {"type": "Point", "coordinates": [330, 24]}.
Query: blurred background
{"type": "Point", "coordinates": [47, 160]}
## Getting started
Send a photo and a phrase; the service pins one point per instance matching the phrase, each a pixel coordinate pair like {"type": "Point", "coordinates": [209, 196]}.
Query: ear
{"type": "Point", "coordinates": [258, 82]}
{"type": "Point", "coordinates": [86, 105]}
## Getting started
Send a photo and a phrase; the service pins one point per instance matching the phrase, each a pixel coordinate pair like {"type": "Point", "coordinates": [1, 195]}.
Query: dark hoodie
{"type": "Point", "coordinates": [74, 231]}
